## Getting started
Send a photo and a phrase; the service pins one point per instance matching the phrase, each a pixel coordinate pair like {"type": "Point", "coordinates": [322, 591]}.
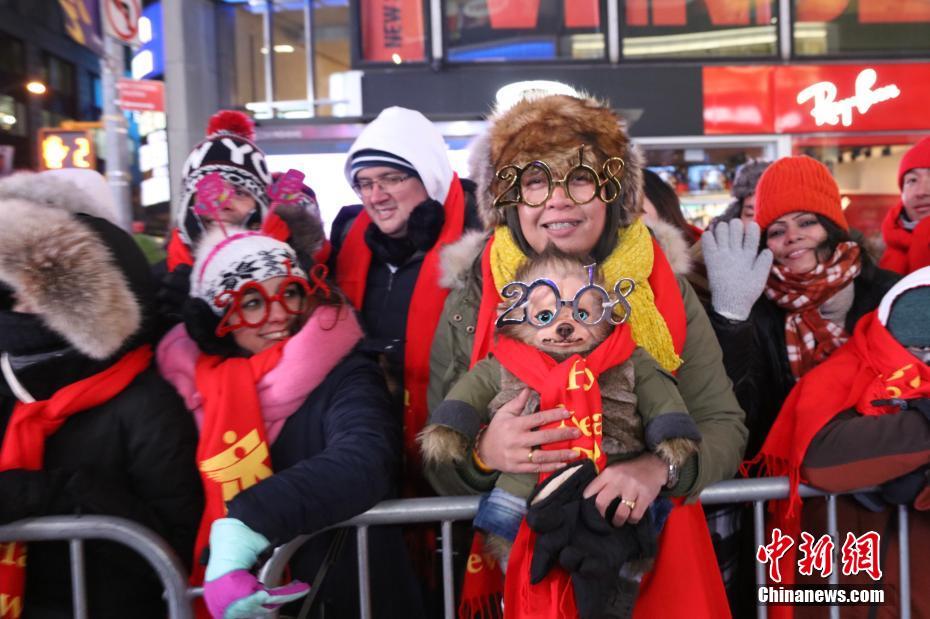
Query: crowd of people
{"type": "Point", "coordinates": [552, 335]}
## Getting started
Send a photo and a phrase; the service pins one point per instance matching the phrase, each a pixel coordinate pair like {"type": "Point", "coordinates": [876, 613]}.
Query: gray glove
{"type": "Point", "coordinates": [736, 269]}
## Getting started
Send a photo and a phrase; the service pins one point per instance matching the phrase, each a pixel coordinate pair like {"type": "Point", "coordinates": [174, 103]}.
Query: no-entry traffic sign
{"type": "Point", "coordinates": [121, 19]}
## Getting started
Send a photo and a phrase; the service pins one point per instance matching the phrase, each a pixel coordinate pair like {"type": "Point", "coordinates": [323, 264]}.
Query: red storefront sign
{"type": "Point", "coordinates": [739, 12]}
{"type": "Point", "coordinates": [816, 98]}
{"type": "Point", "coordinates": [392, 30]}
{"type": "Point", "coordinates": [507, 14]}
{"type": "Point", "coordinates": [141, 95]}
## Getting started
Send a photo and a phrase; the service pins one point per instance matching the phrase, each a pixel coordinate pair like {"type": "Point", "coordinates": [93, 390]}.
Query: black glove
{"type": "Point", "coordinates": [596, 553]}
{"type": "Point", "coordinates": [173, 292]}
{"type": "Point", "coordinates": [552, 512]}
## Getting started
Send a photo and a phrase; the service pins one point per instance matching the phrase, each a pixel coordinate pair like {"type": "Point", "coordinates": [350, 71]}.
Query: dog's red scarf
{"type": "Point", "coordinates": [24, 448]}
{"type": "Point", "coordinates": [572, 384]}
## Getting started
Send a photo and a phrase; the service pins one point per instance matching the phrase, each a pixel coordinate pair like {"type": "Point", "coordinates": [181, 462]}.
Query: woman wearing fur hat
{"type": "Point", "coordinates": [906, 227]}
{"type": "Point", "coordinates": [546, 143]}
{"type": "Point", "coordinates": [862, 418]}
{"type": "Point", "coordinates": [87, 424]}
{"type": "Point", "coordinates": [782, 311]}
{"type": "Point", "coordinates": [295, 429]}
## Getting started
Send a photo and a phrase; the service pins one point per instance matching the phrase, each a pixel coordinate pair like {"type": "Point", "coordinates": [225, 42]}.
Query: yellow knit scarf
{"type": "Point", "coordinates": [632, 257]}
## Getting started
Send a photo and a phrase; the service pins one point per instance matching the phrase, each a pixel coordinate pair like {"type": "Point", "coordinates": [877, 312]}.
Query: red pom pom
{"type": "Point", "coordinates": [231, 121]}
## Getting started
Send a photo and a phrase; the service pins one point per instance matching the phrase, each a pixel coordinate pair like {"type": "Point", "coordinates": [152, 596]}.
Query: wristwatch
{"type": "Point", "coordinates": [673, 472]}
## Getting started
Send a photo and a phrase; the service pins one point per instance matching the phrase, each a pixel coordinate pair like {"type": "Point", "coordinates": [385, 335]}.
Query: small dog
{"type": "Point", "coordinates": [560, 328]}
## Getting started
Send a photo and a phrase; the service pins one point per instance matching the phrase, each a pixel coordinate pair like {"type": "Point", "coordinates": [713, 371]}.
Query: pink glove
{"type": "Point", "coordinates": [239, 595]}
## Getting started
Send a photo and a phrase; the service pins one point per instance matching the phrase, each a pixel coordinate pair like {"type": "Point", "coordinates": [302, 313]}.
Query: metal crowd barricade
{"type": "Point", "coordinates": [77, 529]}
{"type": "Point", "coordinates": [445, 510]}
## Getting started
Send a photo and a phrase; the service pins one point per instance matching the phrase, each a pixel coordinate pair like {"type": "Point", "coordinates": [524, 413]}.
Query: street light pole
{"type": "Point", "coordinates": [116, 133]}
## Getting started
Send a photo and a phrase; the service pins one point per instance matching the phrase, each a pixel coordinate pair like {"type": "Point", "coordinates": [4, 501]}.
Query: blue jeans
{"type": "Point", "coordinates": [500, 513]}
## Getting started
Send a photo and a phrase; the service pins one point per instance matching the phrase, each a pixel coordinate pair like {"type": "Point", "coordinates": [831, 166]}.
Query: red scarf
{"type": "Point", "coordinates": [685, 580]}
{"type": "Point", "coordinates": [422, 317]}
{"type": "Point", "coordinates": [871, 366]}
{"type": "Point", "coordinates": [572, 384]}
{"type": "Point", "coordinates": [809, 337]}
{"type": "Point", "coordinates": [905, 250]}
{"type": "Point", "coordinates": [24, 445]}
{"type": "Point", "coordinates": [178, 252]}
{"type": "Point", "coordinates": [232, 451]}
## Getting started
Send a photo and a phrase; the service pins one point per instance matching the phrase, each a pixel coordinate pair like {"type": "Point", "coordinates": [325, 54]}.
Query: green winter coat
{"type": "Point", "coordinates": [702, 381]}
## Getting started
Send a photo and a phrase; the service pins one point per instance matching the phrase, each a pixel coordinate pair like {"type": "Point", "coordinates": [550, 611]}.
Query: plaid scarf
{"type": "Point", "coordinates": [809, 337]}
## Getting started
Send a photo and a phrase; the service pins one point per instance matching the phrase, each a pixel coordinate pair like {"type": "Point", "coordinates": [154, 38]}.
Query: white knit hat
{"type": "Point", "coordinates": [229, 262]}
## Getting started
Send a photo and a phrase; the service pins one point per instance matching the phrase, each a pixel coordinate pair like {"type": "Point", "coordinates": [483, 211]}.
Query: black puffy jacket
{"type": "Point", "coordinates": [334, 459]}
{"type": "Point", "coordinates": [132, 457]}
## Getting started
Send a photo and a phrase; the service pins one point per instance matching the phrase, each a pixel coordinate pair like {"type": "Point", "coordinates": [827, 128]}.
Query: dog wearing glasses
{"type": "Point", "coordinates": [634, 394]}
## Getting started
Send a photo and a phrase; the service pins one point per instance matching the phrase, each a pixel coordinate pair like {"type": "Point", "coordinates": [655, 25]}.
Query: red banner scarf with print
{"type": "Point", "coordinates": [871, 366]}
{"type": "Point", "coordinates": [572, 384]}
{"type": "Point", "coordinates": [809, 337]}
{"type": "Point", "coordinates": [422, 317]}
{"type": "Point", "coordinates": [24, 447]}
{"type": "Point", "coordinates": [905, 250]}
{"type": "Point", "coordinates": [232, 451]}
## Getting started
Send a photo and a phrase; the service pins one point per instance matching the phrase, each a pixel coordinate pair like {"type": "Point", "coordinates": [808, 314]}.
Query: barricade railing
{"type": "Point", "coordinates": [446, 510]}
{"type": "Point", "coordinates": [443, 510]}
{"type": "Point", "coordinates": [77, 529]}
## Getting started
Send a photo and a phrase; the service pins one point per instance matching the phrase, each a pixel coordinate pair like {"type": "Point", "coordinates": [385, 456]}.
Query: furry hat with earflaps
{"type": "Point", "coordinates": [553, 128]}
{"type": "Point", "coordinates": [81, 276]}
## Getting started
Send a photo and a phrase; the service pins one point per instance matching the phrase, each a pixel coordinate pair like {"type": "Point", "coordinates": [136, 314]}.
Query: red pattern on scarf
{"type": "Point", "coordinates": [685, 580]}
{"type": "Point", "coordinates": [31, 425]}
{"type": "Point", "coordinates": [232, 450]}
{"type": "Point", "coordinates": [871, 366]}
{"type": "Point", "coordinates": [809, 337]}
{"type": "Point", "coordinates": [905, 250]}
{"type": "Point", "coordinates": [422, 317]}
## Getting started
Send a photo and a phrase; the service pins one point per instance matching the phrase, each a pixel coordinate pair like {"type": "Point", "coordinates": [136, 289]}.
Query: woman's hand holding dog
{"type": "Point", "coordinates": [509, 443]}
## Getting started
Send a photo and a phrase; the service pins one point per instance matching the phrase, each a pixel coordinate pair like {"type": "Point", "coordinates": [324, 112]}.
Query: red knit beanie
{"type": "Point", "coordinates": [917, 157]}
{"type": "Point", "coordinates": [794, 184]}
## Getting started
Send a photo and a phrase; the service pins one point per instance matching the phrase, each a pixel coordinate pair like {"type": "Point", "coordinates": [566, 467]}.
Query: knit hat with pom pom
{"type": "Point", "coordinates": [230, 150]}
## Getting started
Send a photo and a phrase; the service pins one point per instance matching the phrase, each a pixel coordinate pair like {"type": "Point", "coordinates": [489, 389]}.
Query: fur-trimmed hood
{"type": "Point", "coordinates": [69, 190]}
{"type": "Point", "coordinates": [552, 128]}
{"type": "Point", "coordinates": [66, 263]}
{"type": "Point", "coordinates": [457, 259]}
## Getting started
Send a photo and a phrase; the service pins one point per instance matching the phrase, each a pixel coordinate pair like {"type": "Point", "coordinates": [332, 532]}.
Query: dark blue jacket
{"type": "Point", "coordinates": [335, 458]}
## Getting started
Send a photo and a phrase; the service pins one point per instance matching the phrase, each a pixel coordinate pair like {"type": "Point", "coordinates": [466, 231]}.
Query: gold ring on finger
{"type": "Point", "coordinates": [529, 456]}
{"type": "Point", "coordinates": [629, 503]}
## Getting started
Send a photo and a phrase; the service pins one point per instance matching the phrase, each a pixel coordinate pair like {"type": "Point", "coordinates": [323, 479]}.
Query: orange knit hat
{"type": "Point", "coordinates": [917, 157]}
{"type": "Point", "coordinates": [794, 184]}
